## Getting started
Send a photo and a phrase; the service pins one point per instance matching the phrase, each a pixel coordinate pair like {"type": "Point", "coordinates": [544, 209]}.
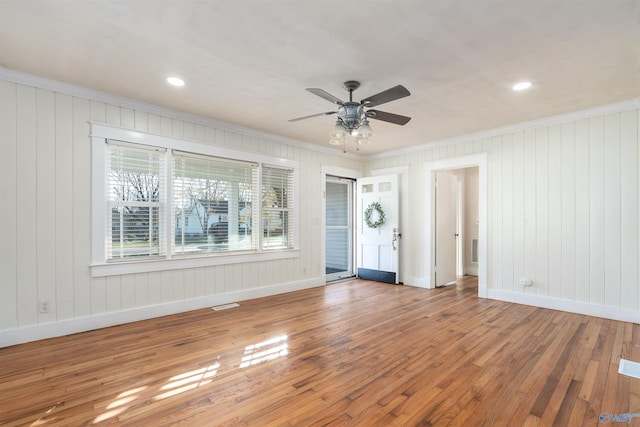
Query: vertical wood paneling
{"type": "Point", "coordinates": [189, 131]}
{"type": "Point", "coordinates": [177, 128]}
{"type": "Point", "coordinates": [142, 289]}
{"type": "Point", "coordinates": [65, 306]}
{"type": "Point", "coordinates": [529, 206]}
{"type": "Point", "coordinates": [81, 207]}
{"type": "Point", "coordinates": [26, 203]}
{"type": "Point", "coordinates": [141, 121]}
{"type": "Point", "coordinates": [555, 212]}
{"type": "Point", "coordinates": [113, 293]}
{"type": "Point", "coordinates": [127, 118]}
{"type": "Point", "coordinates": [612, 212]}
{"type": "Point", "coordinates": [98, 295]}
{"type": "Point", "coordinates": [45, 203]}
{"type": "Point", "coordinates": [541, 280]}
{"type": "Point", "coordinates": [468, 148]}
{"type": "Point", "coordinates": [166, 126]}
{"type": "Point", "coordinates": [629, 215]}
{"type": "Point", "coordinates": [477, 146]}
{"type": "Point", "coordinates": [218, 138]}
{"type": "Point", "coordinates": [226, 275]}
{"type": "Point", "coordinates": [199, 133]}
{"type": "Point", "coordinates": [200, 278]}
{"type": "Point", "coordinates": [507, 212]}
{"type": "Point", "coordinates": [112, 115]}
{"type": "Point", "coordinates": [154, 288]}
{"type": "Point", "coordinates": [189, 284]}
{"type": "Point", "coordinates": [583, 225]}
{"type": "Point", "coordinates": [496, 207]}
{"type": "Point", "coordinates": [596, 210]}
{"type": "Point", "coordinates": [9, 211]}
{"type": "Point", "coordinates": [155, 124]}
{"type": "Point", "coordinates": [128, 291]}
{"type": "Point", "coordinates": [568, 203]}
{"type": "Point", "coordinates": [518, 210]}
{"type": "Point", "coordinates": [166, 286]}
{"type": "Point", "coordinates": [98, 111]}
{"type": "Point", "coordinates": [177, 282]}
{"type": "Point", "coordinates": [211, 281]}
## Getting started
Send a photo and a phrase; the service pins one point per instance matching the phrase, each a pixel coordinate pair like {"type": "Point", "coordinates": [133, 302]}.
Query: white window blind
{"type": "Point", "coordinates": [277, 208]}
{"type": "Point", "coordinates": [134, 192]}
{"type": "Point", "coordinates": [213, 207]}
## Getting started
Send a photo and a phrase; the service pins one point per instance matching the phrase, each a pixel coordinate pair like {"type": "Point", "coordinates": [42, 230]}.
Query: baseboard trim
{"type": "Point", "coordinates": [471, 271]}
{"type": "Point", "coordinates": [418, 282]}
{"type": "Point", "coordinates": [595, 310]}
{"type": "Point", "coordinates": [72, 326]}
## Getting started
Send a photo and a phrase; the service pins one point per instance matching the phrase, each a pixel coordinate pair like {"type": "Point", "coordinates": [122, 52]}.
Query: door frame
{"type": "Point", "coordinates": [322, 221]}
{"type": "Point", "coordinates": [351, 188]}
{"type": "Point", "coordinates": [479, 160]}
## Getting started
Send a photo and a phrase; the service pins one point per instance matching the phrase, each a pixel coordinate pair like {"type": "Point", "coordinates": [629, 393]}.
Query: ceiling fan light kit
{"type": "Point", "coordinates": [353, 119]}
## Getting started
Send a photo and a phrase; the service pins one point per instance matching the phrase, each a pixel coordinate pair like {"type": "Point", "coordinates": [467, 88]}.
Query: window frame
{"type": "Point", "coordinates": [101, 133]}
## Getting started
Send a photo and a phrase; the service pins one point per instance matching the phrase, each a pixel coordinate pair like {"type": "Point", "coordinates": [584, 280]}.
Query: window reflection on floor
{"type": "Point", "coordinates": [254, 354]}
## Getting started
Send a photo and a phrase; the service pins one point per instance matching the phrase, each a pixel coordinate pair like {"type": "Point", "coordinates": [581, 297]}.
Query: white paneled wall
{"type": "Point", "coordinates": [562, 211]}
{"type": "Point", "coordinates": [45, 178]}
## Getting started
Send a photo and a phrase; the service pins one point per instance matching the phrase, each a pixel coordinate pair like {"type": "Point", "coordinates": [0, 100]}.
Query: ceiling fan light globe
{"type": "Point", "coordinates": [336, 141]}
{"type": "Point", "coordinates": [338, 131]}
{"type": "Point", "coordinates": [365, 130]}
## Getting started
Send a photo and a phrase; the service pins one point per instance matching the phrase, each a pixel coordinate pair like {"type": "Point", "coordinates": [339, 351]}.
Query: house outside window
{"type": "Point", "coordinates": [214, 199]}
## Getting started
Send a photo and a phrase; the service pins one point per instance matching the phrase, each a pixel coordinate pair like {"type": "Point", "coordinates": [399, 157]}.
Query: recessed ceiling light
{"type": "Point", "coordinates": [522, 86]}
{"type": "Point", "coordinates": [175, 81]}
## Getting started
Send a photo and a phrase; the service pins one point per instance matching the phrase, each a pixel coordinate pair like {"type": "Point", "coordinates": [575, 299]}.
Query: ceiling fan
{"type": "Point", "coordinates": [353, 116]}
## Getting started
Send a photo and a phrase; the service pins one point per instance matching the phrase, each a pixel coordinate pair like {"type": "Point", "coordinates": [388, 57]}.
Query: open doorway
{"type": "Point", "coordinates": [473, 247]}
{"type": "Point", "coordinates": [339, 232]}
{"type": "Point", "coordinates": [456, 224]}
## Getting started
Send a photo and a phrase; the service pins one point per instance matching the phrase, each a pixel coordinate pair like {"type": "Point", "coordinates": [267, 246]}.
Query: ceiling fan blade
{"type": "Point", "coordinates": [388, 95]}
{"type": "Point", "coordinates": [328, 113]}
{"type": "Point", "coordinates": [322, 94]}
{"type": "Point", "coordinates": [388, 117]}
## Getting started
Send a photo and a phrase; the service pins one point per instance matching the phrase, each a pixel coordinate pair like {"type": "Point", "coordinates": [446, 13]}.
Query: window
{"type": "Point", "coordinates": [134, 208]}
{"type": "Point", "coordinates": [277, 200]}
{"type": "Point", "coordinates": [166, 203]}
{"type": "Point", "coordinates": [213, 204]}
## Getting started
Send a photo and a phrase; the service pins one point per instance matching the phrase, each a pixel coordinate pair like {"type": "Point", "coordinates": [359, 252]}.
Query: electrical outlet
{"type": "Point", "coordinates": [526, 282]}
{"type": "Point", "coordinates": [44, 307]}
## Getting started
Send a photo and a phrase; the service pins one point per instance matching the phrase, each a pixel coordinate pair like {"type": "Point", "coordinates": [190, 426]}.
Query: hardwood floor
{"type": "Point", "coordinates": [350, 353]}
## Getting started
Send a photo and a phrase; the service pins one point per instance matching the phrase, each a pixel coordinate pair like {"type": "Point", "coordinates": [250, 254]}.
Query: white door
{"type": "Point", "coordinates": [445, 228]}
{"type": "Point", "coordinates": [377, 254]}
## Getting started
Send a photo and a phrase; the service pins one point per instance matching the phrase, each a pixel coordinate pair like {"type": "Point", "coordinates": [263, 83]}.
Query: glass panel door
{"type": "Point", "coordinates": [339, 229]}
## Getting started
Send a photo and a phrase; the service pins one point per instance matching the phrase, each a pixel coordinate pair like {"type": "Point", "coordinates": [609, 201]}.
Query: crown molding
{"type": "Point", "coordinates": [619, 107]}
{"type": "Point", "coordinates": [26, 79]}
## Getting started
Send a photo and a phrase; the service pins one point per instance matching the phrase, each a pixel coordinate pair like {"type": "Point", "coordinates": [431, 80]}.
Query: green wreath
{"type": "Point", "coordinates": [374, 207]}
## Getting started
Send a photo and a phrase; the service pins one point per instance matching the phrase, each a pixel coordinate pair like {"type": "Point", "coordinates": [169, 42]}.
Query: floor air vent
{"type": "Point", "coordinates": [629, 368]}
{"type": "Point", "coordinates": [225, 306]}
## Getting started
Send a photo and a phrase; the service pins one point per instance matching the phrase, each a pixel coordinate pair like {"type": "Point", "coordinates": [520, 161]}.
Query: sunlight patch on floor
{"type": "Point", "coordinates": [273, 349]}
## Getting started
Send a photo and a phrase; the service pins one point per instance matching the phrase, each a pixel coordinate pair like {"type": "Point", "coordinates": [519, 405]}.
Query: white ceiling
{"type": "Point", "coordinates": [247, 62]}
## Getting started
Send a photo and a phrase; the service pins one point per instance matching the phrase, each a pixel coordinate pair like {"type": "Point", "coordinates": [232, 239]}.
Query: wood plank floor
{"type": "Point", "coordinates": [350, 353]}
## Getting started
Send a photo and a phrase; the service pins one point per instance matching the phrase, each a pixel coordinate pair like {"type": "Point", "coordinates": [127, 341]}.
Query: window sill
{"type": "Point", "coordinates": [146, 266]}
